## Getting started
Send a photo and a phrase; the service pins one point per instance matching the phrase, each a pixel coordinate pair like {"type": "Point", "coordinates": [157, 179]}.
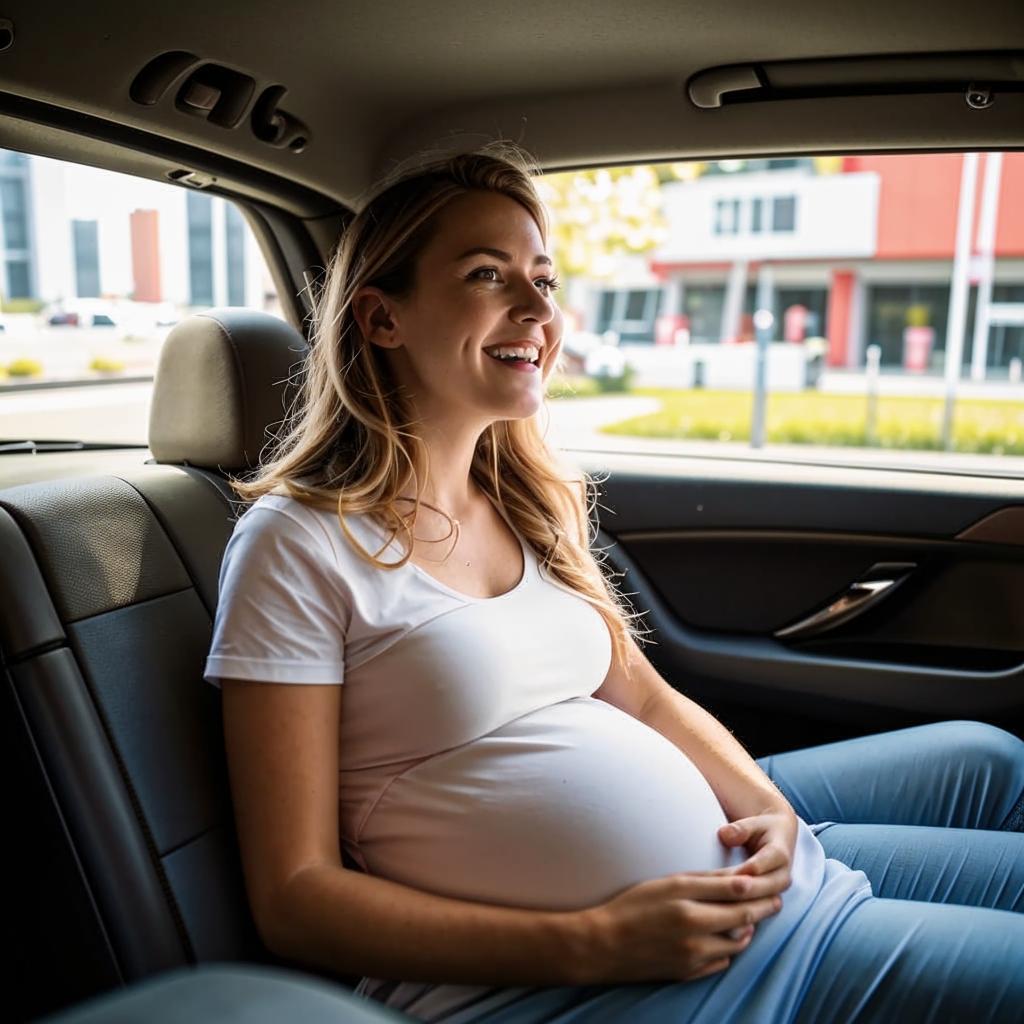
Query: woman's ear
{"type": "Point", "coordinates": [374, 312]}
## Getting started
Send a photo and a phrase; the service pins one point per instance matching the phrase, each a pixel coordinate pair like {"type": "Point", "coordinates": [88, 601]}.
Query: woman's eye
{"type": "Point", "coordinates": [549, 284]}
{"type": "Point", "coordinates": [478, 275]}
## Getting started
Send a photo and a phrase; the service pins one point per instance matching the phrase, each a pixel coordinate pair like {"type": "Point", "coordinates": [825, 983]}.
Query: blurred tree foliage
{"type": "Point", "coordinates": [601, 214]}
{"type": "Point", "coordinates": [598, 215]}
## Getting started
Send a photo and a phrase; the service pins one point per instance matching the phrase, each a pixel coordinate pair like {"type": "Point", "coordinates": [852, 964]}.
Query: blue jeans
{"type": "Point", "coordinates": [934, 816]}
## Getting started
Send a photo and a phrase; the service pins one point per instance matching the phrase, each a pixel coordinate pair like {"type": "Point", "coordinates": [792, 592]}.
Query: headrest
{"type": "Point", "coordinates": [221, 382]}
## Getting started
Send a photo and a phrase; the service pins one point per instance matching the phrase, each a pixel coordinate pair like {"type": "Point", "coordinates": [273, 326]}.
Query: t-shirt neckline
{"type": "Point", "coordinates": [461, 595]}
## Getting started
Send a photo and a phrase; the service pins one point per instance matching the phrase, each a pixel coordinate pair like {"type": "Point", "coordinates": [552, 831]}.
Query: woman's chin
{"type": "Point", "coordinates": [523, 409]}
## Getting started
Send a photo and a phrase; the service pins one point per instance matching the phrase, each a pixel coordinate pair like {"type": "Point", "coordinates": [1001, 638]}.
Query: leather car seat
{"type": "Point", "coordinates": [119, 811]}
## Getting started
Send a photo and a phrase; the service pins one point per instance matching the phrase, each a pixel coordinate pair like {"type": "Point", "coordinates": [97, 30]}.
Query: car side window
{"type": "Point", "coordinates": [95, 269]}
{"type": "Point", "coordinates": [827, 309]}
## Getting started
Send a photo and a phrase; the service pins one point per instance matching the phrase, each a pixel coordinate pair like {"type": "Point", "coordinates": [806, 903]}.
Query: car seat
{"type": "Point", "coordinates": [125, 857]}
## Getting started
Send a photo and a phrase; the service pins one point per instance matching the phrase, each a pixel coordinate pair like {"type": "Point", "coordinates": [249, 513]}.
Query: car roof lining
{"type": "Point", "coordinates": [377, 81]}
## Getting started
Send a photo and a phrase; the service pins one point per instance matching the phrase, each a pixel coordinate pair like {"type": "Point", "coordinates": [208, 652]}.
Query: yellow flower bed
{"type": "Point", "coordinates": [25, 368]}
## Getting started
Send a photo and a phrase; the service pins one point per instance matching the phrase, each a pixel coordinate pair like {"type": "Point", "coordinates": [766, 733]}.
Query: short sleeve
{"type": "Point", "coordinates": [283, 609]}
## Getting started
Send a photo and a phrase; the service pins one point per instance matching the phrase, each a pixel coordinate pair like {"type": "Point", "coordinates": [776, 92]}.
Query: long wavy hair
{"type": "Point", "coordinates": [348, 443]}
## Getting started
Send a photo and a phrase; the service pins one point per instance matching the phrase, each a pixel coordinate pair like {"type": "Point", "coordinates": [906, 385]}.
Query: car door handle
{"type": "Point", "coordinates": [878, 582]}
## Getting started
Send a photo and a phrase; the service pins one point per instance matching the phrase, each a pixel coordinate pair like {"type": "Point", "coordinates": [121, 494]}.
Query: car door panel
{"type": "Point", "coordinates": [722, 554]}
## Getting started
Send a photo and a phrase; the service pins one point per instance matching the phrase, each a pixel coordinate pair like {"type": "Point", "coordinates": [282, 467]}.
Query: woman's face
{"type": "Point", "coordinates": [482, 282]}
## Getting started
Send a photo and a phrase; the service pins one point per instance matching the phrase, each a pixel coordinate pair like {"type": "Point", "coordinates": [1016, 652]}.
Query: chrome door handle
{"type": "Point", "coordinates": [879, 581]}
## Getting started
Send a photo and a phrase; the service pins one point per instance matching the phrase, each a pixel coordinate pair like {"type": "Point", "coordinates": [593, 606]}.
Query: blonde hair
{"type": "Point", "coordinates": [346, 443]}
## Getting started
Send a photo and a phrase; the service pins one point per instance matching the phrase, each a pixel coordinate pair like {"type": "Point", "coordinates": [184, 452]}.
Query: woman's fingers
{"type": "Point", "coordinates": [722, 888]}
{"type": "Point", "coordinates": [714, 947]}
{"type": "Point", "coordinates": [744, 829]}
{"type": "Point", "coordinates": [768, 858]}
{"type": "Point", "coordinates": [712, 968]}
{"type": "Point", "coordinates": [723, 917]}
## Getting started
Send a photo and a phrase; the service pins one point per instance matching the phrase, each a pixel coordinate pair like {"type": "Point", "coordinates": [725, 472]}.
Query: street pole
{"type": "Point", "coordinates": [986, 256]}
{"type": "Point", "coordinates": [873, 363]}
{"type": "Point", "coordinates": [763, 324]}
{"type": "Point", "coordinates": [958, 293]}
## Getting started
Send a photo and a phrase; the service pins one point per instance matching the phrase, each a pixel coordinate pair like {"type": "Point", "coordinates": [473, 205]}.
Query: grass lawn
{"type": "Point", "coordinates": [570, 386]}
{"type": "Point", "coordinates": [981, 425]}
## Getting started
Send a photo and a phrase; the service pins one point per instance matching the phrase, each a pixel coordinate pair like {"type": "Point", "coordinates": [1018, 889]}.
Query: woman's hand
{"type": "Point", "coordinates": [770, 838]}
{"type": "Point", "coordinates": [672, 928]}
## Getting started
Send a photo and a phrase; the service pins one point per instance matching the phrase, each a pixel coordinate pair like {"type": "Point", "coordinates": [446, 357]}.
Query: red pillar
{"type": "Point", "coordinates": [840, 307]}
{"type": "Point", "coordinates": [146, 255]}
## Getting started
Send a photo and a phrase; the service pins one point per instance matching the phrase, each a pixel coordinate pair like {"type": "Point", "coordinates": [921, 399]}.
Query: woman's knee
{"type": "Point", "coordinates": [988, 743]}
{"type": "Point", "coordinates": [998, 755]}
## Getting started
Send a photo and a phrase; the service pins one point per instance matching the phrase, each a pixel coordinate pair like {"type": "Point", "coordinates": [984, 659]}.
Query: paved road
{"type": "Point", "coordinates": [120, 412]}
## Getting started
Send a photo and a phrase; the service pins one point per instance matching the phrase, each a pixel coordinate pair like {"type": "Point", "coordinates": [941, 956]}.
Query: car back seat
{"type": "Point", "coordinates": [119, 811]}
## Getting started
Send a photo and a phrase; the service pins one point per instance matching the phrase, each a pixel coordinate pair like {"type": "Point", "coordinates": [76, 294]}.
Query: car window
{"type": "Point", "coordinates": [844, 268]}
{"type": "Point", "coordinates": [891, 327]}
{"type": "Point", "coordinates": [96, 269]}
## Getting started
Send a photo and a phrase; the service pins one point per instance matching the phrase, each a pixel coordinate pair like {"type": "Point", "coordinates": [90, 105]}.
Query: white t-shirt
{"type": "Point", "coordinates": [475, 762]}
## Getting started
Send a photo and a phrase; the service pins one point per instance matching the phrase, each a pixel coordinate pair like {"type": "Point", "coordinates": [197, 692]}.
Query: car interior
{"type": "Point", "coordinates": [129, 898]}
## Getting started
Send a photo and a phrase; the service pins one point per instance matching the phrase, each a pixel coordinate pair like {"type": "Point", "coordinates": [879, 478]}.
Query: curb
{"type": "Point", "coordinates": [41, 385]}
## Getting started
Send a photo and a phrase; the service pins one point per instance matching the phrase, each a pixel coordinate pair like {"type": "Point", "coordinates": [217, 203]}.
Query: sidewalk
{"type": "Point", "coordinates": [850, 382]}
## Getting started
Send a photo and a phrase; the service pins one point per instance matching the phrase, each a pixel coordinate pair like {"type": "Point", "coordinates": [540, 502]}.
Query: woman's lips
{"type": "Point", "coordinates": [519, 364]}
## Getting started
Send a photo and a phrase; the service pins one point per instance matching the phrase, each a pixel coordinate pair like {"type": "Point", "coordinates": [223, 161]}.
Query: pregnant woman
{"type": "Point", "coordinates": [455, 772]}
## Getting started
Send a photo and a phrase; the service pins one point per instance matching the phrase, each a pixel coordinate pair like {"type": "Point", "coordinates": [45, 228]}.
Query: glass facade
{"type": "Point", "coordinates": [15, 207]}
{"type": "Point", "coordinates": [19, 279]}
{"type": "Point", "coordinates": [86, 240]}
{"type": "Point", "coordinates": [200, 248]}
{"type": "Point", "coordinates": [16, 280]}
{"type": "Point", "coordinates": [234, 235]}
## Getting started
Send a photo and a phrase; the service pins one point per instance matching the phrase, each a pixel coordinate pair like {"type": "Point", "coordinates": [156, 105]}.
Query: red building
{"type": "Point", "coordinates": [860, 252]}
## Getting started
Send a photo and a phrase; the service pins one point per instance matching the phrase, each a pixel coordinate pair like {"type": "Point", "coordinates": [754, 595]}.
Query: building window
{"type": "Point", "coordinates": [19, 280]}
{"type": "Point", "coordinates": [784, 213]}
{"type": "Point", "coordinates": [1005, 342]}
{"type": "Point", "coordinates": [234, 234]}
{"type": "Point", "coordinates": [12, 197]}
{"type": "Point", "coordinates": [199, 210]}
{"type": "Point", "coordinates": [703, 305]}
{"type": "Point", "coordinates": [756, 216]}
{"type": "Point", "coordinates": [86, 241]}
{"type": "Point", "coordinates": [727, 216]}
{"type": "Point", "coordinates": [630, 313]}
{"type": "Point", "coordinates": [893, 308]}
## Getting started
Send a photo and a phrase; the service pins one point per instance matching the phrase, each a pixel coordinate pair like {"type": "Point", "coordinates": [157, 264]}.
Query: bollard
{"type": "Point", "coordinates": [874, 361]}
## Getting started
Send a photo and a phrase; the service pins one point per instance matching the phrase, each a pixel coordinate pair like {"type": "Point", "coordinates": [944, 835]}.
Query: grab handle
{"type": "Point", "coordinates": [878, 582]}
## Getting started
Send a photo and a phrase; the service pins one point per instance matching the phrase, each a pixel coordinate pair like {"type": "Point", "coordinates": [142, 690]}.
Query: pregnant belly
{"type": "Point", "coordinates": [559, 809]}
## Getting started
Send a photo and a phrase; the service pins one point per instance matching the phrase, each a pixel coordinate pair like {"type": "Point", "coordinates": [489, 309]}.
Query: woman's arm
{"type": "Point", "coordinates": [350, 923]}
{"type": "Point", "coordinates": [283, 758]}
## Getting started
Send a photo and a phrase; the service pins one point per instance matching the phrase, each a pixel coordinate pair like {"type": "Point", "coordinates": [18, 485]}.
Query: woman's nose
{"type": "Point", "coordinates": [534, 307]}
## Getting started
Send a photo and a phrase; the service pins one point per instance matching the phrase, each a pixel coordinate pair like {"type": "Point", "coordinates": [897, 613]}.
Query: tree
{"type": "Point", "coordinates": [599, 214]}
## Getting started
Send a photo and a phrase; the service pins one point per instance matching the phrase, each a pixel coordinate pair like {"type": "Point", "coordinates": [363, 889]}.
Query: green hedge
{"type": "Point", "coordinates": [564, 386]}
{"type": "Point", "coordinates": [21, 305]}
